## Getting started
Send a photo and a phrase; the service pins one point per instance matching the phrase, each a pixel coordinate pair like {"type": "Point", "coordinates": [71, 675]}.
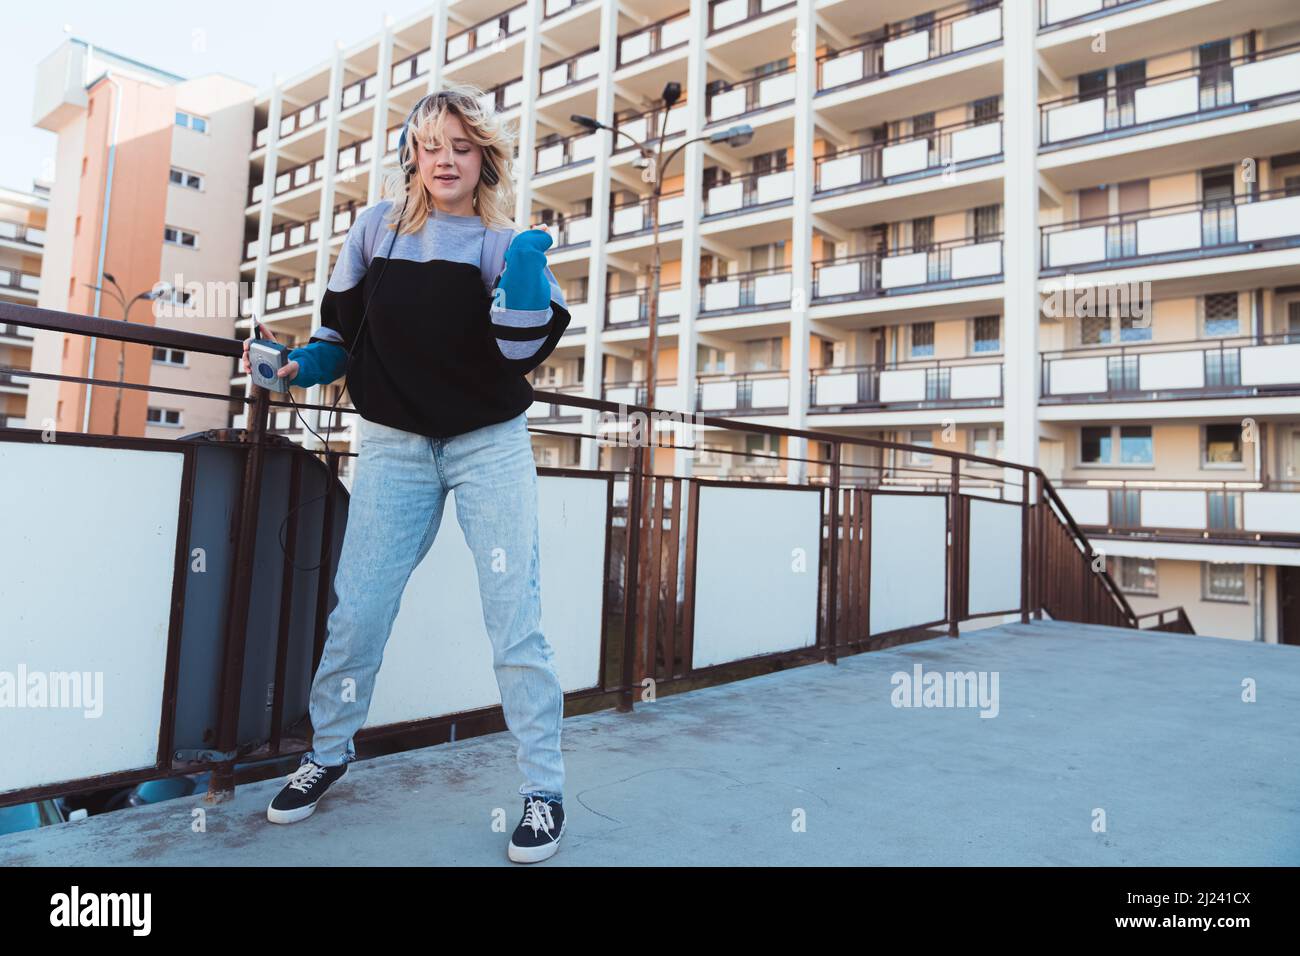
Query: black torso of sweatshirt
{"type": "Point", "coordinates": [428, 359]}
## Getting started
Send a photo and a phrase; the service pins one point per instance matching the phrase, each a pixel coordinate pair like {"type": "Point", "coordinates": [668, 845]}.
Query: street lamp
{"type": "Point", "coordinates": [120, 297]}
{"type": "Point", "coordinates": [734, 136]}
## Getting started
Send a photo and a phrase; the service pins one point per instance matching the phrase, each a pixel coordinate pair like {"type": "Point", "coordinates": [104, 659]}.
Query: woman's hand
{"type": "Point", "coordinates": [289, 370]}
{"type": "Point", "coordinates": [524, 283]}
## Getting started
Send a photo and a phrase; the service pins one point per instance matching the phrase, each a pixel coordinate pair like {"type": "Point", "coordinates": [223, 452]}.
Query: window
{"type": "Point", "coordinates": [169, 356]}
{"type": "Point", "coordinates": [985, 110]}
{"type": "Point", "coordinates": [988, 333]}
{"type": "Point", "coordinates": [181, 178]}
{"type": "Point", "coordinates": [763, 355]}
{"type": "Point", "coordinates": [1223, 582]}
{"type": "Point", "coordinates": [986, 442]}
{"type": "Point", "coordinates": [1134, 575]}
{"type": "Point", "coordinates": [708, 360]}
{"type": "Point", "coordinates": [922, 339]}
{"type": "Point", "coordinates": [1129, 77]}
{"type": "Point", "coordinates": [1293, 322]}
{"type": "Point", "coordinates": [1221, 314]}
{"type": "Point", "coordinates": [922, 233]}
{"type": "Point", "coordinates": [759, 447]}
{"type": "Point", "coordinates": [924, 439]}
{"type": "Point", "coordinates": [1094, 330]}
{"type": "Point", "coordinates": [1092, 85]}
{"type": "Point", "coordinates": [163, 416]}
{"type": "Point", "coordinates": [1221, 445]}
{"type": "Point", "coordinates": [179, 237]}
{"type": "Point", "coordinates": [189, 121]}
{"type": "Point", "coordinates": [988, 222]}
{"type": "Point", "coordinates": [1099, 444]}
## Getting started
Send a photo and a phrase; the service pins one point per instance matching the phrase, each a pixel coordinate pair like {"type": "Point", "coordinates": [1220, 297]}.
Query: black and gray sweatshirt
{"type": "Point", "coordinates": [433, 357]}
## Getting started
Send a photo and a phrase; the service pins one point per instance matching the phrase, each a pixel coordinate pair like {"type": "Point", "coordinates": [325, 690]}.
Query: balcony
{"type": "Point", "coordinates": [14, 281]}
{"type": "Point", "coordinates": [1061, 13]}
{"type": "Point", "coordinates": [637, 217]}
{"type": "Point", "coordinates": [569, 72]}
{"type": "Point", "coordinates": [1243, 84]}
{"type": "Point", "coordinates": [765, 392]}
{"type": "Point", "coordinates": [16, 335]}
{"type": "Point", "coordinates": [487, 33]}
{"type": "Point", "coordinates": [639, 126]}
{"type": "Point", "coordinates": [945, 150]}
{"type": "Point", "coordinates": [286, 238]}
{"type": "Point", "coordinates": [1245, 366]}
{"type": "Point", "coordinates": [945, 265]}
{"type": "Point", "coordinates": [21, 234]}
{"type": "Point", "coordinates": [971, 382]}
{"type": "Point", "coordinates": [747, 192]}
{"type": "Point", "coordinates": [726, 101]}
{"type": "Point", "coordinates": [724, 14]}
{"type": "Point", "coordinates": [955, 31]}
{"type": "Point", "coordinates": [546, 411]}
{"type": "Point", "coordinates": [754, 291]}
{"type": "Point", "coordinates": [564, 152]}
{"type": "Point", "coordinates": [1195, 230]}
{"type": "Point", "coordinates": [631, 309]}
{"type": "Point", "coordinates": [1211, 512]}
{"type": "Point", "coordinates": [659, 37]}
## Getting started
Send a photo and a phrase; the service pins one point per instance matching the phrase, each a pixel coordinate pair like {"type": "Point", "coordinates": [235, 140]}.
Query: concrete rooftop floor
{"type": "Point", "coordinates": [1149, 727]}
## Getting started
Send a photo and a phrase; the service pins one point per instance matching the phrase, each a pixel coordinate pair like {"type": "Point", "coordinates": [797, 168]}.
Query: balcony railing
{"type": "Point", "coordinates": [972, 381]}
{"type": "Point", "coordinates": [954, 31]}
{"type": "Point", "coordinates": [16, 332]}
{"type": "Point", "coordinates": [569, 71]}
{"type": "Point", "coordinates": [730, 13]}
{"type": "Point", "coordinates": [545, 410]}
{"type": "Point", "coordinates": [974, 260]}
{"type": "Point", "coordinates": [630, 218]}
{"type": "Point", "coordinates": [957, 549]}
{"type": "Point", "coordinates": [1193, 230]}
{"type": "Point", "coordinates": [629, 309]}
{"type": "Point", "coordinates": [566, 151]}
{"type": "Point", "coordinates": [726, 101]}
{"type": "Point", "coordinates": [410, 67]}
{"type": "Point", "coordinates": [649, 127]}
{"type": "Point", "coordinates": [21, 232]}
{"type": "Point", "coordinates": [751, 291]}
{"type": "Point", "coordinates": [1250, 81]}
{"type": "Point", "coordinates": [748, 191]}
{"type": "Point", "coordinates": [569, 231]}
{"type": "Point", "coordinates": [659, 37]}
{"type": "Point", "coordinates": [1059, 13]}
{"type": "Point", "coordinates": [495, 28]}
{"type": "Point", "coordinates": [359, 91]}
{"type": "Point", "coordinates": [743, 393]}
{"type": "Point", "coordinates": [290, 296]}
{"type": "Point", "coordinates": [18, 280]}
{"type": "Point", "coordinates": [1193, 510]}
{"type": "Point", "coordinates": [295, 235]}
{"type": "Point", "coordinates": [1227, 367]}
{"type": "Point", "coordinates": [944, 149]}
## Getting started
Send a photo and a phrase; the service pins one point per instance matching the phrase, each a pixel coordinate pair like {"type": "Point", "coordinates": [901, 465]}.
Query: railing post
{"type": "Point", "coordinates": [832, 593]}
{"type": "Point", "coordinates": [954, 602]}
{"type": "Point", "coordinates": [222, 782]}
{"type": "Point", "coordinates": [632, 557]}
{"type": "Point", "coordinates": [1024, 546]}
{"type": "Point", "coordinates": [1040, 551]}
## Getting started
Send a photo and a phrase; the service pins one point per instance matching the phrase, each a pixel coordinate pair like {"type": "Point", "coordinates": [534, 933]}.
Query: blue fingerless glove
{"type": "Point", "coordinates": [524, 283]}
{"type": "Point", "coordinates": [318, 363]}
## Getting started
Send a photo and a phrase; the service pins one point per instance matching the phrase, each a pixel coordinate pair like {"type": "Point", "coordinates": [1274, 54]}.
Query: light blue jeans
{"type": "Point", "coordinates": [399, 489]}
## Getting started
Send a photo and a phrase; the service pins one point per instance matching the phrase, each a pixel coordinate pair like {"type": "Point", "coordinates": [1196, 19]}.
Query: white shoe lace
{"type": "Point", "coordinates": [538, 815]}
{"type": "Point", "coordinates": [306, 775]}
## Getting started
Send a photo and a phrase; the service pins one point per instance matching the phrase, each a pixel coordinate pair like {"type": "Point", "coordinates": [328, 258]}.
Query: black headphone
{"type": "Point", "coordinates": [490, 175]}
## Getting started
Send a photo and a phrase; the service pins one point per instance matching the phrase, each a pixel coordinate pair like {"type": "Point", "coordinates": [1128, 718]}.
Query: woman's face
{"type": "Point", "coordinates": [451, 175]}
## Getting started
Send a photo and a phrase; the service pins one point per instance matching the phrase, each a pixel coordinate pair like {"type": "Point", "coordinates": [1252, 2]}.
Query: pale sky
{"type": "Point", "coordinates": [247, 40]}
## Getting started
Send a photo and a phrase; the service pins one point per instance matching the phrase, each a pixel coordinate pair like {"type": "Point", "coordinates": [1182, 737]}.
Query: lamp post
{"type": "Point", "coordinates": [653, 164]}
{"type": "Point", "coordinates": [120, 297]}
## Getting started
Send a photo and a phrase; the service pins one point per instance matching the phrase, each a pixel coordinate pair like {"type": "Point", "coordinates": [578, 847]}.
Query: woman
{"type": "Point", "coordinates": [436, 366]}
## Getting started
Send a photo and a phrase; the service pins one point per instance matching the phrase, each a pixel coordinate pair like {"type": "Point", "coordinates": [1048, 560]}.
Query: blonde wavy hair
{"type": "Point", "coordinates": [494, 203]}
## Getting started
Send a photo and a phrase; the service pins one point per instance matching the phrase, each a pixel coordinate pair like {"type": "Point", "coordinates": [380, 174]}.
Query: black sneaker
{"type": "Point", "coordinates": [306, 785]}
{"type": "Point", "coordinates": [538, 835]}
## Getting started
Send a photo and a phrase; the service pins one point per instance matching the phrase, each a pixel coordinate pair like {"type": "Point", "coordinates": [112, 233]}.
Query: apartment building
{"type": "Point", "coordinates": [22, 246]}
{"type": "Point", "coordinates": [878, 257]}
{"type": "Point", "coordinates": [150, 170]}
